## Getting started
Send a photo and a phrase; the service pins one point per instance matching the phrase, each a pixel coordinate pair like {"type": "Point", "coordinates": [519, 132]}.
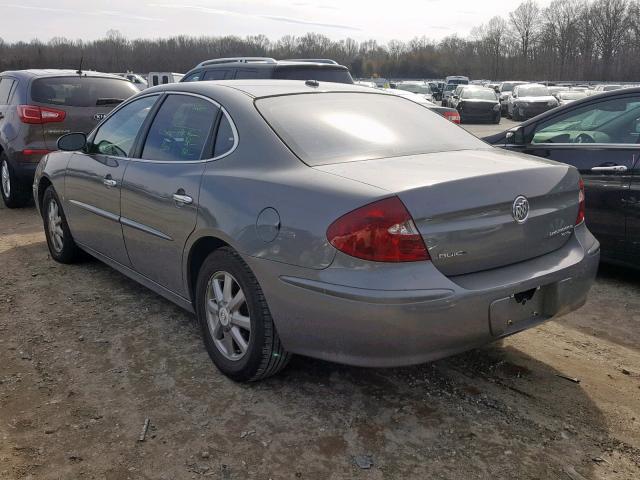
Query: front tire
{"type": "Point", "coordinates": [238, 331]}
{"type": "Point", "coordinates": [62, 247]}
{"type": "Point", "coordinates": [15, 194]}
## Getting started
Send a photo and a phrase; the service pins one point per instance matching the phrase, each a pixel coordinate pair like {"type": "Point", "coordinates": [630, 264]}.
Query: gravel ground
{"type": "Point", "coordinates": [86, 356]}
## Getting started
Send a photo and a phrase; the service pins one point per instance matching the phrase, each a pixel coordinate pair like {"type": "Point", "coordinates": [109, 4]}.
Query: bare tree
{"type": "Point", "coordinates": [609, 21]}
{"type": "Point", "coordinates": [525, 21]}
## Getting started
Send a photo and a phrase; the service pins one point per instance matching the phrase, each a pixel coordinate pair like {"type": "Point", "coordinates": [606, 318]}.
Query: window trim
{"type": "Point", "coordinates": [236, 139]}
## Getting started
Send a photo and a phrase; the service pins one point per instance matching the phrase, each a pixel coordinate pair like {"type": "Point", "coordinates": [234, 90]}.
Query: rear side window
{"type": "Point", "coordinates": [225, 140]}
{"type": "Point", "coordinates": [81, 91]}
{"type": "Point", "coordinates": [180, 129]}
{"type": "Point", "coordinates": [5, 90]}
{"type": "Point", "coordinates": [325, 128]}
{"type": "Point", "coordinates": [217, 74]}
{"type": "Point", "coordinates": [322, 74]}
{"type": "Point", "coordinates": [194, 77]}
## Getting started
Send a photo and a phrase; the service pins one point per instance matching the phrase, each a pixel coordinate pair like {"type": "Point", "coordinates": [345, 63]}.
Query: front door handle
{"type": "Point", "coordinates": [182, 199]}
{"type": "Point", "coordinates": [109, 182]}
{"type": "Point", "coordinates": [612, 168]}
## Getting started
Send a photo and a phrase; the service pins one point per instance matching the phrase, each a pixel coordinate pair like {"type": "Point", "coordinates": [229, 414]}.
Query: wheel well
{"type": "Point", "coordinates": [199, 251]}
{"type": "Point", "coordinates": [42, 186]}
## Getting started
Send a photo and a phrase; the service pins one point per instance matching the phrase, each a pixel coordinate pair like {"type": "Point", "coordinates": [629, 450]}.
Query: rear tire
{"type": "Point", "coordinates": [15, 194]}
{"type": "Point", "coordinates": [62, 247]}
{"type": "Point", "coordinates": [239, 335]}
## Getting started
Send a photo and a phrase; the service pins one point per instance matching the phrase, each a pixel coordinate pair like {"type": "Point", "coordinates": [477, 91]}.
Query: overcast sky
{"type": "Point", "coordinates": [359, 19]}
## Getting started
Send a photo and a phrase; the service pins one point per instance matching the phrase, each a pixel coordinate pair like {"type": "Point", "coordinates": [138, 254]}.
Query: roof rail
{"type": "Point", "coordinates": [216, 61]}
{"type": "Point", "coordinates": [313, 60]}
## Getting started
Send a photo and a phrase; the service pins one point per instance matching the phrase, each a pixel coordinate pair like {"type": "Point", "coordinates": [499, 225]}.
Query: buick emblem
{"type": "Point", "coordinates": [520, 209]}
{"type": "Point", "coordinates": [99, 116]}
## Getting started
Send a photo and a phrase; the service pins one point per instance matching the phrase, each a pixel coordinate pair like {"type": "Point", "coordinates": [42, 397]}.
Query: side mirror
{"type": "Point", "coordinates": [456, 97]}
{"type": "Point", "coordinates": [515, 136]}
{"type": "Point", "coordinates": [72, 142]}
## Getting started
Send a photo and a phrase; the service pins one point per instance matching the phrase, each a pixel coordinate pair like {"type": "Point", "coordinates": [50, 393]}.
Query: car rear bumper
{"type": "Point", "coordinates": [344, 314]}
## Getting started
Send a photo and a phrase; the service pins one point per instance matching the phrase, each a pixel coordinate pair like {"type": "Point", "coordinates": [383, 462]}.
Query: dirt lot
{"type": "Point", "coordinates": [86, 355]}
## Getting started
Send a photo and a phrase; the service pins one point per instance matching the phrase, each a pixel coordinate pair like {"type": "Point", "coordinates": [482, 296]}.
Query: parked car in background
{"type": "Point", "coordinates": [450, 114]}
{"type": "Point", "coordinates": [555, 89]}
{"type": "Point", "coordinates": [264, 68]}
{"type": "Point", "coordinates": [36, 107]}
{"type": "Point", "coordinates": [420, 88]}
{"type": "Point", "coordinates": [476, 104]}
{"type": "Point", "coordinates": [163, 78]}
{"type": "Point", "coordinates": [605, 88]}
{"type": "Point", "coordinates": [504, 91]}
{"type": "Point", "coordinates": [457, 80]}
{"type": "Point", "coordinates": [529, 100]}
{"type": "Point", "coordinates": [137, 79]}
{"type": "Point", "coordinates": [436, 89]}
{"type": "Point", "coordinates": [600, 136]}
{"type": "Point", "coordinates": [567, 96]}
{"type": "Point", "coordinates": [294, 217]}
{"type": "Point", "coordinates": [447, 92]}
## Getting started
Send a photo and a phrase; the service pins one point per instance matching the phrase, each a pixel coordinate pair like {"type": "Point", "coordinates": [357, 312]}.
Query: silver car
{"type": "Point", "coordinates": [320, 219]}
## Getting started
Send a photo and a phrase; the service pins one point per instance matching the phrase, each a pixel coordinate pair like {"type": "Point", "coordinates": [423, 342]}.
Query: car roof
{"type": "Point", "coordinates": [258, 88]}
{"type": "Point", "coordinates": [43, 73]}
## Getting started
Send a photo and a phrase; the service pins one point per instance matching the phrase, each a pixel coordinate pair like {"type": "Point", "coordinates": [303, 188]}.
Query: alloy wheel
{"type": "Point", "coordinates": [6, 179]}
{"type": "Point", "coordinates": [54, 223]}
{"type": "Point", "coordinates": [228, 316]}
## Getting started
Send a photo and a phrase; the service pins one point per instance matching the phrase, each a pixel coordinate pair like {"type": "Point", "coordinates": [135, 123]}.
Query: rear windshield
{"type": "Point", "coordinates": [415, 88]}
{"type": "Point", "coordinates": [344, 127]}
{"type": "Point", "coordinates": [81, 91]}
{"type": "Point", "coordinates": [572, 95]}
{"type": "Point", "coordinates": [533, 91]}
{"type": "Point", "coordinates": [479, 94]}
{"type": "Point", "coordinates": [322, 74]}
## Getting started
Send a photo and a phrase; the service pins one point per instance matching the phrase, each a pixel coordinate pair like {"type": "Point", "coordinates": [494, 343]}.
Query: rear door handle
{"type": "Point", "coordinates": [109, 182]}
{"type": "Point", "coordinates": [612, 168]}
{"type": "Point", "coordinates": [182, 199]}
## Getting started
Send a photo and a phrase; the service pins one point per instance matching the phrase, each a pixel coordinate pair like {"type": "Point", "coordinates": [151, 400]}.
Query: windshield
{"type": "Point", "coordinates": [322, 74]}
{"type": "Point", "coordinates": [508, 86]}
{"type": "Point", "coordinates": [414, 88]}
{"type": "Point", "coordinates": [458, 82]}
{"type": "Point", "coordinates": [329, 128]}
{"type": "Point", "coordinates": [449, 87]}
{"type": "Point", "coordinates": [479, 94]}
{"type": "Point", "coordinates": [81, 91]}
{"type": "Point", "coordinates": [572, 95]}
{"type": "Point", "coordinates": [533, 92]}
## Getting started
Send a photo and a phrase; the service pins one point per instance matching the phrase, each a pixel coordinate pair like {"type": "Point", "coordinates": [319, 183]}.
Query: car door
{"type": "Point", "coordinates": [601, 141]}
{"type": "Point", "coordinates": [632, 201]}
{"type": "Point", "coordinates": [161, 187]}
{"type": "Point", "coordinates": [93, 180]}
{"type": "Point", "coordinates": [7, 86]}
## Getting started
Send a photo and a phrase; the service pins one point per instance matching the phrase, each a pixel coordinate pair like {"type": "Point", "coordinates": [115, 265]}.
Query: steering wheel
{"type": "Point", "coordinates": [584, 138]}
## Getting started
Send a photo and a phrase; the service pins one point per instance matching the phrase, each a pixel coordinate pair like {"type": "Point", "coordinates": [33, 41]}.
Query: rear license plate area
{"type": "Point", "coordinates": [517, 312]}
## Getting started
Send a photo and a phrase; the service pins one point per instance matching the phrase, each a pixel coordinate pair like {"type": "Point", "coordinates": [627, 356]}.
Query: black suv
{"type": "Point", "coordinates": [37, 107]}
{"type": "Point", "coordinates": [320, 69]}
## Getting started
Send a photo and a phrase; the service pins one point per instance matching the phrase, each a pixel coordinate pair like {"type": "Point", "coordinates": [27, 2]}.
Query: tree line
{"type": "Point", "coordinates": [586, 40]}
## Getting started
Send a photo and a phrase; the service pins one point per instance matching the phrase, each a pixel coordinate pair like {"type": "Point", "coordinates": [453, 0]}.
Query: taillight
{"type": "Point", "coordinates": [36, 115]}
{"type": "Point", "coordinates": [580, 218]}
{"type": "Point", "coordinates": [452, 116]}
{"type": "Point", "coordinates": [382, 231]}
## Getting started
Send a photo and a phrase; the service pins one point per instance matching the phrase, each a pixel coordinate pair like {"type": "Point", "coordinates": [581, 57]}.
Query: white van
{"type": "Point", "coordinates": [162, 78]}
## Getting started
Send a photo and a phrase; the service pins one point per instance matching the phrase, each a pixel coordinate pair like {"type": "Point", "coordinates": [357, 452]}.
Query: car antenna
{"type": "Point", "coordinates": [79, 71]}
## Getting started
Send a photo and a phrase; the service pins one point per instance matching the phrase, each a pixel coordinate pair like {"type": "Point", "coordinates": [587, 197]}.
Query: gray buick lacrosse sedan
{"type": "Point", "coordinates": [320, 219]}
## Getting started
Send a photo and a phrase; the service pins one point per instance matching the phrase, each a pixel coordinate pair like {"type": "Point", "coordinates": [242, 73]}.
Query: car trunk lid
{"type": "Point", "coordinates": [462, 203]}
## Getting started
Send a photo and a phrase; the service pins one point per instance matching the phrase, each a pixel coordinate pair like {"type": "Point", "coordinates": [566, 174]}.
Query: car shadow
{"type": "Point", "coordinates": [130, 355]}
